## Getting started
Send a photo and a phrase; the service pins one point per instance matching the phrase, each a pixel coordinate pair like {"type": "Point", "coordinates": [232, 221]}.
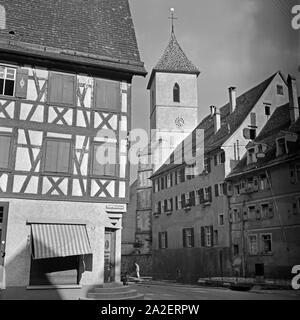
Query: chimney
{"type": "Point", "coordinates": [217, 120]}
{"type": "Point", "coordinates": [293, 97]}
{"type": "Point", "coordinates": [232, 98]}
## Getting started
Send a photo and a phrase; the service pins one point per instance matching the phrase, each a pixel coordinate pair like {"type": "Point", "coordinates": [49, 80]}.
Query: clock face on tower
{"type": "Point", "coordinates": [179, 121]}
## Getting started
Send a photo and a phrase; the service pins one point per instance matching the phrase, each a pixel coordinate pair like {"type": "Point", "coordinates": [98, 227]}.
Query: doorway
{"type": "Point", "coordinates": [109, 255]}
{"type": "Point", "coordinates": [3, 227]}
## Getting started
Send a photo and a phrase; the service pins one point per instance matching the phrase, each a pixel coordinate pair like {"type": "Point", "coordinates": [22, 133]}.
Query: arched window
{"type": "Point", "coordinates": [2, 17]}
{"type": "Point", "coordinates": [176, 93]}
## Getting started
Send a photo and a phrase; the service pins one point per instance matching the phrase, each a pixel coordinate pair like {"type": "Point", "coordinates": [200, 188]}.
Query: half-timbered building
{"type": "Point", "coordinates": [65, 99]}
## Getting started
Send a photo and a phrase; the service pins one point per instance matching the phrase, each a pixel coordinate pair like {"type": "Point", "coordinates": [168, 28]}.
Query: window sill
{"type": "Point", "coordinates": [54, 287]}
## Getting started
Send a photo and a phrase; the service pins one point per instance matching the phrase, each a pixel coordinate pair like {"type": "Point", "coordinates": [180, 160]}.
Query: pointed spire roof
{"type": "Point", "coordinates": [173, 60]}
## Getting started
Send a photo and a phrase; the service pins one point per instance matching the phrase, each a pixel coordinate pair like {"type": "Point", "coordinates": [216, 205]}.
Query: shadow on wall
{"type": "Point", "coordinates": [46, 272]}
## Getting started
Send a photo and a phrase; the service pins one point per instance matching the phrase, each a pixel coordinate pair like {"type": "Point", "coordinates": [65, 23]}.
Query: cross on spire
{"type": "Point", "coordinates": [172, 18]}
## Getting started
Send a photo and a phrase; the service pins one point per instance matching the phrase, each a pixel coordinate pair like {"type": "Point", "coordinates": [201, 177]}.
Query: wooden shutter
{"type": "Point", "coordinates": [210, 194]}
{"type": "Point", "coordinates": [202, 236]}
{"type": "Point", "coordinates": [201, 193]}
{"type": "Point", "coordinates": [61, 88]}
{"type": "Point", "coordinates": [21, 83]}
{"type": "Point", "coordinates": [182, 201]}
{"type": "Point", "coordinates": [159, 240]}
{"type": "Point", "coordinates": [246, 133]}
{"type": "Point", "coordinates": [51, 156]}
{"type": "Point", "coordinates": [253, 119]}
{"type": "Point", "coordinates": [192, 198]}
{"type": "Point", "coordinates": [107, 95]}
{"type": "Point", "coordinates": [166, 237]}
{"type": "Point", "coordinates": [224, 188]}
{"type": "Point", "coordinates": [212, 235]}
{"type": "Point", "coordinates": [192, 238]}
{"type": "Point", "coordinates": [63, 156]}
{"type": "Point", "coordinates": [184, 238]}
{"type": "Point", "coordinates": [5, 142]}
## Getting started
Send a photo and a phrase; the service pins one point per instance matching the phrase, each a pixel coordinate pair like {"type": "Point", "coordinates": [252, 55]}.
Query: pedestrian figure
{"type": "Point", "coordinates": [137, 270]}
{"type": "Point", "coordinates": [125, 279]}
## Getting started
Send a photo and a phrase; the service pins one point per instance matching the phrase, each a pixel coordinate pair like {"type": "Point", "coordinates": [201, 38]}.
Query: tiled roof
{"type": "Point", "coordinates": [174, 60]}
{"type": "Point", "coordinates": [278, 124]}
{"type": "Point", "coordinates": [229, 121]}
{"type": "Point", "coordinates": [102, 29]}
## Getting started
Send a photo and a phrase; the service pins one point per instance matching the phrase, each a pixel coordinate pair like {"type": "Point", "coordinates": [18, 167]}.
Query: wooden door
{"type": "Point", "coordinates": [109, 255]}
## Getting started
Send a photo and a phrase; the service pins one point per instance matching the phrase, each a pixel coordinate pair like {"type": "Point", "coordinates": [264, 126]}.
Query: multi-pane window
{"type": "Point", "coordinates": [61, 88]}
{"type": "Point", "coordinates": [163, 240]}
{"type": "Point", "coordinates": [104, 159]}
{"type": "Point", "coordinates": [107, 95]}
{"type": "Point", "coordinates": [57, 156]}
{"type": "Point", "coordinates": [280, 90]}
{"type": "Point", "coordinates": [221, 189]}
{"type": "Point", "coordinates": [208, 236]}
{"type": "Point", "coordinates": [7, 81]}
{"type": "Point", "coordinates": [5, 147]}
{"type": "Point", "coordinates": [266, 243]}
{"type": "Point", "coordinates": [188, 238]}
{"type": "Point", "coordinates": [253, 249]}
{"type": "Point", "coordinates": [207, 194]}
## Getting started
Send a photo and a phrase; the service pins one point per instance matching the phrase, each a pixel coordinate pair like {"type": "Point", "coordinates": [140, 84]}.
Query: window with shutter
{"type": "Point", "coordinates": [107, 95]}
{"type": "Point", "coordinates": [104, 159]}
{"type": "Point", "coordinates": [57, 156]}
{"type": "Point", "coordinates": [21, 83]}
{"type": "Point", "coordinates": [61, 88]}
{"type": "Point", "coordinates": [7, 80]}
{"type": "Point", "coordinates": [5, 149]}
{"type": "Point", "coordinates": [216, 190]}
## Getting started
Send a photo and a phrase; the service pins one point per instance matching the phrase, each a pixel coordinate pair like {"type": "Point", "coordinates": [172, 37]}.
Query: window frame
{"type": "Point", "coordinates": [223, 216]}
{"type": "Point", "coordinates": [45, 172]}
{"type": "Point", "coordinates": [176, 93]}
{"type": "Point", "coordinates": [250, 251]}
{"type": "Point", "coordinates": [263, 252]}
{"type": "Point", "coordinates": [5, 78]}
{"type": "Point", "coordinates": [117, 165]}
{"type": "Point", "coordinates": [186, 243]}
{"type": "Point", "coordinates": [163, 240]}
{"type": "Point", "coordinates": [50, 88]}
{"type": "Point", "coordinates": [279, 90]}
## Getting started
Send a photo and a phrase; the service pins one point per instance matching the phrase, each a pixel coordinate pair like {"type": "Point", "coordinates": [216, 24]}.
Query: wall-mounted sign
{"type": "Point", "coordinates": [116, 207]}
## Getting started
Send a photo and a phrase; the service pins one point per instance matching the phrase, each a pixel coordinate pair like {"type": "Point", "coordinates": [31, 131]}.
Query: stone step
{"type": "Point", "coordinates": [134, 297]}
{"type": "Point", "coordinates": [113, 289]}
{"type": "Point", "coordinates": [111, 295]}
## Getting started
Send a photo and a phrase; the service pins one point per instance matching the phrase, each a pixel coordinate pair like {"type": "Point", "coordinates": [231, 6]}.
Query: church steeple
{"type": "Point", "coordinates": [173, 60]}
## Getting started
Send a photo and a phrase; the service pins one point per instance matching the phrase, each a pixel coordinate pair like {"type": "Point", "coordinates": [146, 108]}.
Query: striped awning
{"type": "Point", "coordinates": [59, 240]}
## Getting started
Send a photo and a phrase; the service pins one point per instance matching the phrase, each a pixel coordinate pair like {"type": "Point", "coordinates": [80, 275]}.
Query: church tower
{"type": "Point", "coordinates": [173, 100]}
{"type": "Point", "coordinates": [174, 115]}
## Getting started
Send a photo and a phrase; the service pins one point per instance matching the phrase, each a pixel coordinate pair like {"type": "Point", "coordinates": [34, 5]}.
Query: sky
{"type": "Point", "coordinates": [232, 42]}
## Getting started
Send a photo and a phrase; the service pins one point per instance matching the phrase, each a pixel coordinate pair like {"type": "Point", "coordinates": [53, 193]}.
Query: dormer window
{"type": "Point", "coordinates": [251, 156]}
{"type": "Point", "coordinates": [281, 147]}
{"type": "Point", "coordinates": [176, 93]}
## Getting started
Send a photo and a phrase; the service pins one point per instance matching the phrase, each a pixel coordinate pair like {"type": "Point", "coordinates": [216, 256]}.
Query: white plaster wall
{"type": "Point", "coordinates": [164, 89]}
{"type": "Point", "coordinates": [17, 259]}
{"type": "Point", "coordinates": [269, 96]}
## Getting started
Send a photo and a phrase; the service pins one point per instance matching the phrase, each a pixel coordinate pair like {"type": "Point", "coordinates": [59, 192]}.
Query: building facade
{"type": "Point", "coordinates": [191, 237]}
{"type": "Point", "coordinates": [264, 198]}
{"type": "Point", "coordinates": [65, 103]}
